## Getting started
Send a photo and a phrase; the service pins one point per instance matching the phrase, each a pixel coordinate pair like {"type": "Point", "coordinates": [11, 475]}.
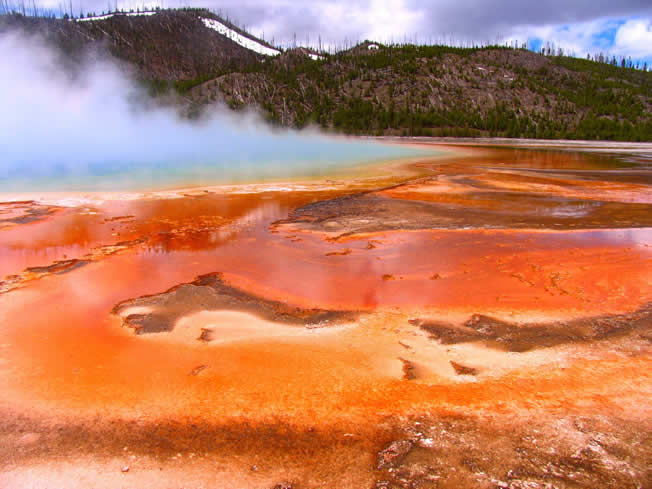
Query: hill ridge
{"type": "Point", "coordinates": [410, 90]}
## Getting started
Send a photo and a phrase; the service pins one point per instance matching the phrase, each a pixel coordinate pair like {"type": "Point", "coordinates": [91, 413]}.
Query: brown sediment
{"type": "Point", "coordinates": [374, 213]}
{"type": "Point", "coordinates": [524, 337]}
{"type": "Point", "coordinates": [12, 282]}
{"type": "Point", "coordinates": [206, 335]}
{"type": "Point", "coordinates": [210, 293]}
{"type": "Point", "coordinates": [197, 370]}
{"type": "Point", "coordinates": [119, 218]}
{"type": "Point", "coordinates": [409, 369]}
{"type": "Point", "coordinates": [490, 451]}
{"type": "Point", "coordinates": [271, 446]}
{"type": "Point", "coordinates": [345, 252]}
{"type": "Point", "coordinates": [394, 454]}
{"type": "Point", "coordinates": [462, 369]}
{"type": "Point", "coordinates": [500, 194]}
{"type": "Point", "coordinates": [24, 212]}
{"type": "Point", "coordinates": [58, 267]}
{"type": "Point", "coordinates": [447, 450]}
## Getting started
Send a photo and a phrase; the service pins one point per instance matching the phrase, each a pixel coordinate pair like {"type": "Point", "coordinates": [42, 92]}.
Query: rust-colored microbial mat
{"type": "Point", "coordinates": [481, 319]}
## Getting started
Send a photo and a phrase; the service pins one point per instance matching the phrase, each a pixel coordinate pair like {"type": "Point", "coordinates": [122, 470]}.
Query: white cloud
{"type": "Point", "coordinates": [612, 37]}
{"type": "Point", "coordinates": [383, 19]}
{"type": "Point", "coordinates": [634, 38]}
{"type": "Point", "coordinates": [579, 39]}
{"type": "Point", "coordinates": [578, 26]}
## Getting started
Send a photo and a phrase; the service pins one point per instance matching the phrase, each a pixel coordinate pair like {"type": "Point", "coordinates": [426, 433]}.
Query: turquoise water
{"type": "Point", "coordinates": [261, 158]}
{"type": "Point", "coordinates": [97, 129]}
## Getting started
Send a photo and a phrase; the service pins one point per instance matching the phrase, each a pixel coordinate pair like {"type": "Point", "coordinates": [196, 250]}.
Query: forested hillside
{"type": "Point", "coordinates": [442, 91]}
{"type": "Point", "coordinates": [369, 89]}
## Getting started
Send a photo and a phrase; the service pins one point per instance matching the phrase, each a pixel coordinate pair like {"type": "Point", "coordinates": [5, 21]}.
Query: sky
{"type": "Point", "coordinates": [616, 27]}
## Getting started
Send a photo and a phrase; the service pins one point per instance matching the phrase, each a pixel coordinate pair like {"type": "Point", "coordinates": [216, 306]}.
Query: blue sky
{"type": "Point", "coordinates": [620, 28]}
{"type": "Point", "coordinates": [615, 36]}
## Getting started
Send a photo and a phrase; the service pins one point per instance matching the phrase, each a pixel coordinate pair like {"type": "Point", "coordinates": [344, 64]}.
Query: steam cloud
{"type": "Point", "coordinates": [95, 131]}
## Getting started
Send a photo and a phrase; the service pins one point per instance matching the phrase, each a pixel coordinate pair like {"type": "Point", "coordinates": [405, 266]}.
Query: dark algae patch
{"type": "Point", "coordinates": [371, 213]}
{"type": "Point", "coordinates": [518, 337]}
{"type": "Point", "coordinates": [210, 293]}
{"type": "Point", "coordinates": [24, 212]}
{"type": "Point", "coordinates": [59, 267]}
{"type": "Point", "coordinates": [463, 370]}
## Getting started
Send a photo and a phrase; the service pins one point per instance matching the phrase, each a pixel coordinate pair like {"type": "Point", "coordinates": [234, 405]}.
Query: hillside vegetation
{"type": "Point", "coordinates": [394, 90]}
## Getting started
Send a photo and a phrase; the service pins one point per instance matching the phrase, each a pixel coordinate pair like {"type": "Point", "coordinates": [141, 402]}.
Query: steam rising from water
{"type": "Point", "coordinates": [93, 131]}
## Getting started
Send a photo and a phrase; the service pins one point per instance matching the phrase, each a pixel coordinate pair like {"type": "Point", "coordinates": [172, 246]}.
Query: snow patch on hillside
{"type": "Point", "coordinates": [108, 16]}
{"type": "Point", "coordinates": [239, 38]}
